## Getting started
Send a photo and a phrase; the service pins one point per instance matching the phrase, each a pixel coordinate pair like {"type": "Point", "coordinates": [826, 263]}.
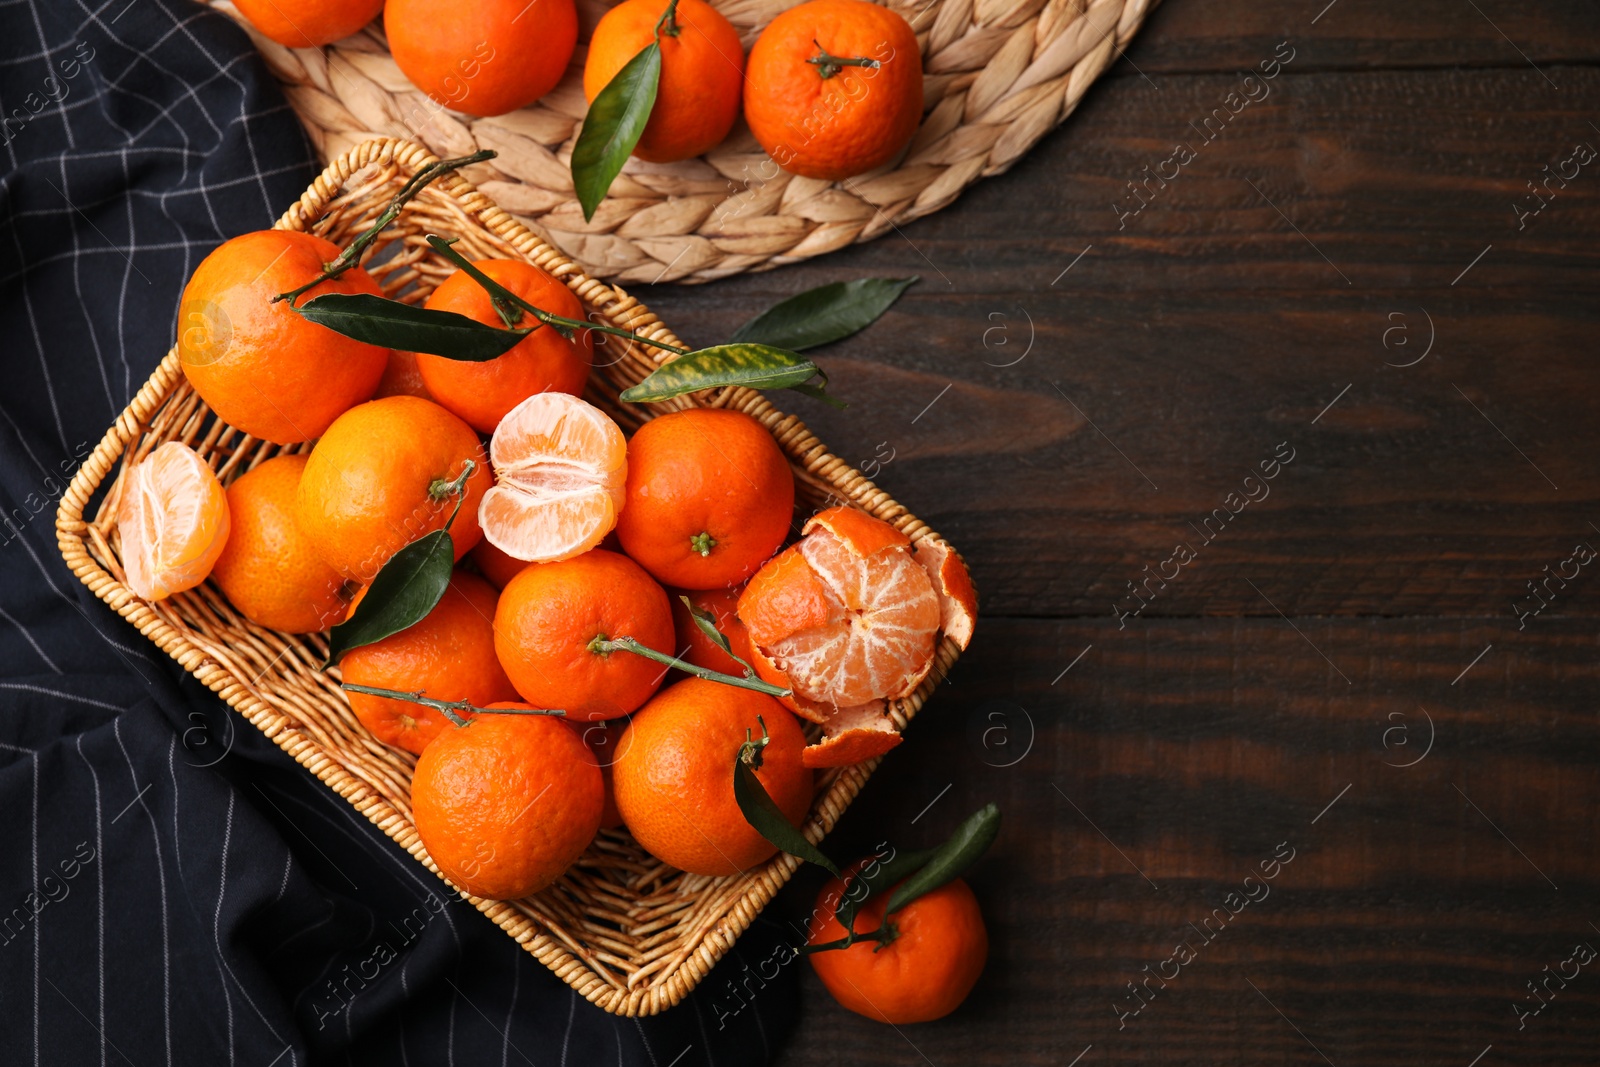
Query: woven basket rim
{"type": "Point", "coordinates": [74, 536]}
{"type": "Point", "coordinates": [997, 76]}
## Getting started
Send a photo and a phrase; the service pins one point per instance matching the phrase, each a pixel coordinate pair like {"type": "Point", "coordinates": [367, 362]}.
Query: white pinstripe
{"type": "Point", "coordinates": [100, 895]}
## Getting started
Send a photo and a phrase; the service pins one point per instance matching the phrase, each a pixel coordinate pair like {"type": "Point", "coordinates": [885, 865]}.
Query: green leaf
{"type": "Point", "coordinates": [405, 590]}
{"type": "Point", "coordinates": [762, 813]}
{"type": "Point", "coordinates": [875, 877]}
{"type": "Point", "coordinates": [612, 127]}
{"type": "Point", "coordinates": [824, 314]}
{"type": "Point", "coordinates": [971, 840]}
{"type": "Point", "coordinates": [707, 624]}
{"type": "Point", "coordinates": [750, 365]}
{"type": "Point", "coordinates": [392, 324]}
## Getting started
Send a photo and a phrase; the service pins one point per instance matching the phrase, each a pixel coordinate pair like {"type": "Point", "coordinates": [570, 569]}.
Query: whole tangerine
{"type": "Point", "coordinates": [674, 778]}
{"type": "Point", "coordinates": [447, 655]}
{"type": "Point", "coordinates": [702, 72]}
{"type": "Point", "coordinates": [710, 497]}
{"type": "Point", "coordinates": [544, 361]}
{"type": "Point", "coordinates": [505, 804]}
{"type": "Point", "coordinates": [381, 477]}
{"type": "Point", "coordinates": [261, 366]}
{"type": "Point", "coordinates": [269, 569]}
{"type": "Point", "coordinates": [834, 88]}
{"type": "Point", "coordinates": [486, 57]}
{"type": "Point", "coordinates": [931, 961]}
{"type": "Point", "coordinates": [550, 617]}
{"type": "Point", "coordinates": [308, 23]}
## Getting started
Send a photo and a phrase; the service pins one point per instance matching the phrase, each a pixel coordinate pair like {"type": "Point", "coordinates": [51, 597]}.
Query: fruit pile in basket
{"type": "Point", "coordinates": [831, 89]}
{"type": "Point", "coordinates": [511, 611]}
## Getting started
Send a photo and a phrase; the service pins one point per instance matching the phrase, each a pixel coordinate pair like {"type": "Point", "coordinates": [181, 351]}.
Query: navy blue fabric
{"type": "Point", "coordinates": [173, 889]}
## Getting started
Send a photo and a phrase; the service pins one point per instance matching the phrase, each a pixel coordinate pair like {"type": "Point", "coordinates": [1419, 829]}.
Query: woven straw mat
{"type": "Point", "coordinates": [998, 75]}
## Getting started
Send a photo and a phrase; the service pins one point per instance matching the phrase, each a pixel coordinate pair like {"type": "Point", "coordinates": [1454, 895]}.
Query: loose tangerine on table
{"type": "Point", "coordinates": [833, 88]}
{"type": "Point", "coordinates": [482, 57]}
{"type": "Point", "coordinates": [702, 73]}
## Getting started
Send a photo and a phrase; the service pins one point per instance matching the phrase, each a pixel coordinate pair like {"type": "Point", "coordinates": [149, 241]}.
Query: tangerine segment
{"type": "Point", "coordinates": [674, 779]}
{"type": "Point", "coordinates": [505, 804]}
{"type": "Point", "coordinates": [448, 655]}
{"type": "Point", "coordinates": [543, 361]}
{"type": "Point", "coordinates": [268, 569]}
{"type": "Point", "coordinates": [173, 520]}
{"type": "Point", "coordinates": [551, 613]}
{"type": "Point", "coordinates": [562, 469]}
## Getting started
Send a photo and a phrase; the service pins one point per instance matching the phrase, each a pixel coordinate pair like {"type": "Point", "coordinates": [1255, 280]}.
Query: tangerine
{"type": "Point", "coordinates": [486, 57]}
{"type": "Point", "coordinates": [268, 569]}
{"type": "Point", "coordinates": [544, 361]}
{"type": "Point", "coordinates": [551, 615]}
{"type": "Point", "coordinates": [261, 366]}
{"type": "Point", "coordinates": [834, 88]}
{"type": "Point", "coordinates": [702, 72]}
{"type": "Point", "coordinates": [505, 804]}
{"type": "Point", "coordinates": [308, 23]}
{"type": "Point", "coordinates": [710, 497]}
{"type": "Point", "coordinates": [561, 465]}
{"type": "Point", "coordinates": [496, 566]}
{"type": "Point", "coordinates": [173, 521]}
{"type": "Point", "coordinates": [933, 957]}
{"type": "Point", "coordinates": [447, 655]}
{"type": "Point", "coordinates": [674, 779]}
{"type": "Point", "coordinates": [381, 477]}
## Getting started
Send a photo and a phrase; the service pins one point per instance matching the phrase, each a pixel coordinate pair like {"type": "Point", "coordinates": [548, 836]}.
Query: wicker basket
{"type": "Point", "coordinates": [628, 932]}
{"type": "Point", "coordinates": [999, 75]}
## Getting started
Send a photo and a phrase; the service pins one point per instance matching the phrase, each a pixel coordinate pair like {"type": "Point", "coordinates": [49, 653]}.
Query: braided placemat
{"type": "Point", "coordinates": [999, 74]}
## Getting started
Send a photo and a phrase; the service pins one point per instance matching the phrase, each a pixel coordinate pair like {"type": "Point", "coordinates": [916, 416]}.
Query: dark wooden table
{"type": "Point", "coordinates": [1352, 667]}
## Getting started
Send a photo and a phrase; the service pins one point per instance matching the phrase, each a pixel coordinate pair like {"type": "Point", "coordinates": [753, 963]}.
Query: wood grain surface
{"type": "Point", "coordinates": [1353, 665]}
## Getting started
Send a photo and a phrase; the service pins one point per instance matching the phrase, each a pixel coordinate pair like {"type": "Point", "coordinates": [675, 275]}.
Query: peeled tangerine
{"type": "Point", "coordinates": [561, 474]}
{"type": "Point", "coordinates": [848, 618]}
{"type": "Point", "coordinates": [173, 521]}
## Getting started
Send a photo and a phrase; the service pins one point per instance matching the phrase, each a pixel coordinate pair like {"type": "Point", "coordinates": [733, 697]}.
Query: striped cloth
{"type": "Point", "coordinates": [173, 889]}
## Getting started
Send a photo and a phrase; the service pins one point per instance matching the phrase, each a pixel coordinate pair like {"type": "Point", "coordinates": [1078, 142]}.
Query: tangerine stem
{"type": "Point", "coordinates": [668, 23]}
{"type": "Point", "coordinates": [350, 255]}
{"type": "Point", "coordinates": [702, 543]}
{"type": "Point", "coordinates": [828, 65]}
{"type": "Point", "coordinates": [603, 644]}
{"type": "Point", "coordinates": [564, 326]}
{"type": "Point", "coordinates": [452, 708]}
{"type": "Point", "coordinates": [883, 935]}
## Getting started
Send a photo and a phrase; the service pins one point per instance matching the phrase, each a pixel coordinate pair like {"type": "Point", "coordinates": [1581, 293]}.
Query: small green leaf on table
{"type": "Point", "coordinates": [876, 876]}
{"type": "Point", "coordinates": [612, 127]}
{"type": "Point", "coordinates": [824, 314]}
{"type": "Point", "coordinates": [391, 324]}
{"type": "Point", "coordinates": [970, 841]}
{"type": "Point", "coordinates": [753, 366]}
